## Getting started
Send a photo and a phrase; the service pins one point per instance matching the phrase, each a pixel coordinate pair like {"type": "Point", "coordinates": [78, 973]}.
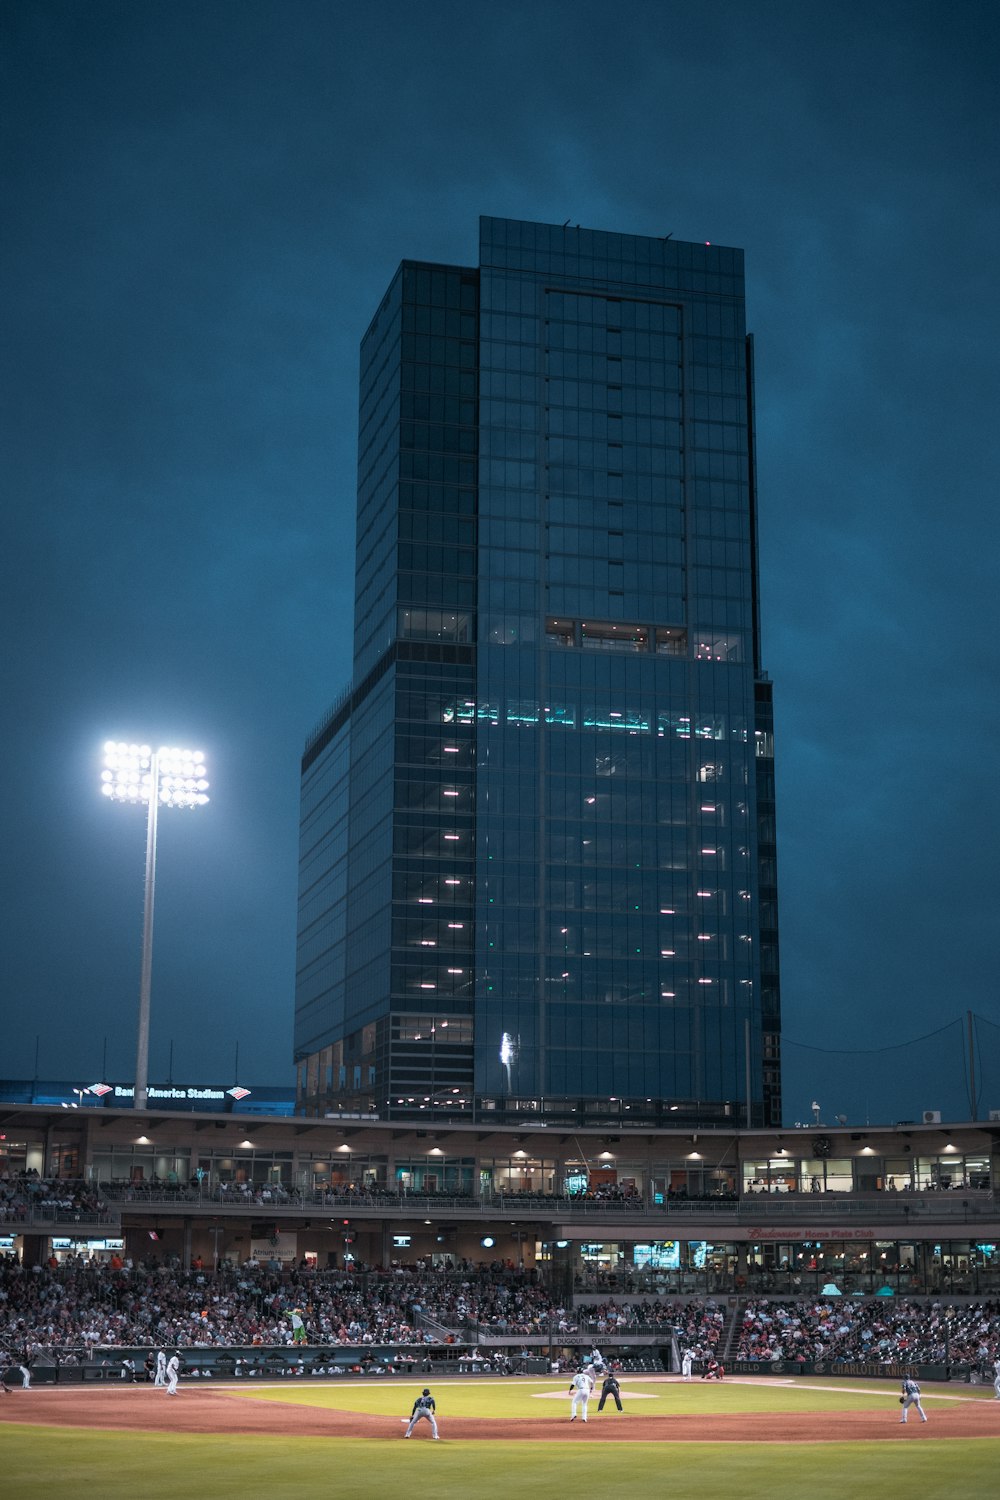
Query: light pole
{"type": "Point", "coordinates": [175, 778]}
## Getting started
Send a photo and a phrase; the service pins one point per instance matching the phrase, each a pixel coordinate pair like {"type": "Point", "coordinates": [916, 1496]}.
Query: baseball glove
{"type": "Point", "coordinates": [902, 1400]}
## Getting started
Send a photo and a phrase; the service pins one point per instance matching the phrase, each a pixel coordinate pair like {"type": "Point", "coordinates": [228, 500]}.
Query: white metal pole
{"type": "Point", "coordinates": [142, 1043]}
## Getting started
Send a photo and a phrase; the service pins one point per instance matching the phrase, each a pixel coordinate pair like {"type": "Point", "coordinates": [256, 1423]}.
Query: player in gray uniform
{"type": "Point", "coordinates": [996, 1382]}
{"type": "Point", "coordinates": [911, 1397]}
{"type": "Point", "coordinates": [423, 1407]}
{"type": "Point", "coordinates": [160, 1378]}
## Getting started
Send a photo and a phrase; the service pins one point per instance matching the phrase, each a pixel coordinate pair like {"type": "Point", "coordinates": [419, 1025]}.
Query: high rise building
{"type": "Point", "coordinates": [537, 840]}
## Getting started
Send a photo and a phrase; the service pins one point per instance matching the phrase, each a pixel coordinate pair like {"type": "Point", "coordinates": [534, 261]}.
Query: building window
{"type": "Point", "coordinates": [560, 632]}
{"type": "Point", "coordinates": [710, 647]}
{"type": "Point", "coordinates": [671, 641]}
{"type": "Point", "coordinates": [447, 1030]}
{"type": "Point", "coordinates": [434, 625]}
{"type": "Point", "coordinates": [606, 635]}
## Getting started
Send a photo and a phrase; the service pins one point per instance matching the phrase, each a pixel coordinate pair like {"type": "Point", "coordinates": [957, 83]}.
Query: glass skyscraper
{"type": "Point", "coordinates": [537, 870]}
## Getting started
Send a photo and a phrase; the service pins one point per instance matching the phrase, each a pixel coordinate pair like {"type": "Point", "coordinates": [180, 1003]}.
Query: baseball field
{"type": "Point", "coordinates": [748, 1438]}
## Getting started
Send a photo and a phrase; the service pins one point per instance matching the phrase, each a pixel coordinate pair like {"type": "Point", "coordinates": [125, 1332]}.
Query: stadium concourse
{"type": "Point", "coordinates": [906, 1212]}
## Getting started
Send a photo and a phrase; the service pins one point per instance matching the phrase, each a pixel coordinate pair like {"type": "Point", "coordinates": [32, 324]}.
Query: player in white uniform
{"type": "Point", "coordinates": [687, 1363]}
{"type": "Point", "coordinates": [173, 1370]}
{"type": "Point", "coordinates": [580, 1389]}
{"type": "Point", "coordinates": [160, 1378]}
{"type": "Point", "coordinates": [996, 1383]}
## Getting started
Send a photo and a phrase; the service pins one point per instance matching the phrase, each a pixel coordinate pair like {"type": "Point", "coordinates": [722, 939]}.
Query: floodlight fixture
{"type": "Point", "coordinates": [131, 772]}
{"type": "Point", "coordinates": [168, 777]}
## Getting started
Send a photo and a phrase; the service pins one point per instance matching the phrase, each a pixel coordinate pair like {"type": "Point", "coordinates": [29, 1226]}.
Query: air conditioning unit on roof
{"type": "Point", "coordinates": [931, 1117]}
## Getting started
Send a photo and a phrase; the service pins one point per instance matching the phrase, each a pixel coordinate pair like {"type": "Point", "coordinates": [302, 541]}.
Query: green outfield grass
{"type": "Point", "coordinates": [41, 1463]}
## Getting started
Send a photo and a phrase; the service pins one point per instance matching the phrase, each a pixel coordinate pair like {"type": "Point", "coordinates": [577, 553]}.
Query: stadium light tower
{"type": "Point", "coordinates": [167, 777]}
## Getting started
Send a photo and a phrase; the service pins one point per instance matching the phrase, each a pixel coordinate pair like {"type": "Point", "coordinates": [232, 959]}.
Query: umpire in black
{"type": "Point", "coordinates": [610, 1387]}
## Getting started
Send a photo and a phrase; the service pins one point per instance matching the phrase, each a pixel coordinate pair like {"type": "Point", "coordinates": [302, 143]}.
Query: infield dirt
{"type": "Point", "coordinates": [143, 1409]}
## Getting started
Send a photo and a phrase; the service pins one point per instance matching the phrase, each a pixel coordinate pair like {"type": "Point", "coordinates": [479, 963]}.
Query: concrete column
{"type": "Point", "coordinates": [186, 1250]}
{"type": "Point", "coordinates": [35, 1249]}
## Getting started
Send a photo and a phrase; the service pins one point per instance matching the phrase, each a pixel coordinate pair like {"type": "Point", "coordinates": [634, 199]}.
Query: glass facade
{"type": "Point", "coordinates": [538, 859]}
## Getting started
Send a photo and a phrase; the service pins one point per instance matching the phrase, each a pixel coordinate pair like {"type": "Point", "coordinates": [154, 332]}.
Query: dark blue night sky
{"type": "Point", "coordinates": [203, 205]}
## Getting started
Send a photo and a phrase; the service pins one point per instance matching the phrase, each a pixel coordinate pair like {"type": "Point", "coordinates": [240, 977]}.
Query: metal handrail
{"type": "Point", "coordinates": [804, 1209]}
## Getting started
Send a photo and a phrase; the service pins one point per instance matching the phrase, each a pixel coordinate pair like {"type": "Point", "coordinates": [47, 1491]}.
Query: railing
{"type": "Point", "coordinates": [971, 1206]}
{"type": "Point", "coordinates": [45, 1215]}
{"type": "Point", "coordinates": [128, 1363]}
{"type": "Point", "coordinates": [838, 1206]}
{"type": "Point", "coordinates": [440, 1331]}
{"type": "Point", "coordinates": [265, 1201]}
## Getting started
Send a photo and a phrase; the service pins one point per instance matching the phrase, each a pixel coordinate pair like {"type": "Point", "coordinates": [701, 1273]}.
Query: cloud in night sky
{"type": "Point", "coordinates": [204, 205]}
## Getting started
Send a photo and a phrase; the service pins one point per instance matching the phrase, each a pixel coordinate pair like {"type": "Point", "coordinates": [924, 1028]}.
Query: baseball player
{"type": "Point", "coordinates": [610, 1387]}
{"type": "Point", "coordinates": [996, 1383]}
{"type": "Point", "coordinates": [580, 1389]}
{"type": "Point", "coordinates": [160, 1378]}
{"type": "Point", "coordinates": [173, 1370]}
{"type": "Point", "coordinates": [423, 1407]}
{"type": "Point", "coordinates": [687, 1363]}
{"type": "Point", "coordinates": [911, 1397]}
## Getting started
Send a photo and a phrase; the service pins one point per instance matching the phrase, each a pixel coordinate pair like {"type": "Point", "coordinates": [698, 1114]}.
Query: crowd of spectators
{"type": "Point", "coordinates": [27, 1192]}
{"type": "Point", "coordinates": [345, 1194]}
{"type": "Point", "coordinates": [611, 1192]}
{"type": "Point", "coordinates": [501, 1309]}
{"type": "Point", "coordinates": [261, 1194]}
{"type": "Point", "coordinates": [879, 1330]}
{"type": "Point", "coordinates": [697, 1324]}
{"type": "Point", "coordinates": [86, 1305]}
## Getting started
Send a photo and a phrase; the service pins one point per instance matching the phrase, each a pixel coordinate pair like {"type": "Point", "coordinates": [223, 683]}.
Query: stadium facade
{"type": "Point", "coordinates": [537, 866]}
{"type": "Point", "coordinates": [903, 1210]}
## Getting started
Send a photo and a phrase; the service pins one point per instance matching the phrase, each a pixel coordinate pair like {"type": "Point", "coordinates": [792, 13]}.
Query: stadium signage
{"type": "Point", "coordinates": [281, 1248]}
{"type": "Point", "coordinates": [828, 1232]}
{"type": "Point", "coordinates": [172, 1093]}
